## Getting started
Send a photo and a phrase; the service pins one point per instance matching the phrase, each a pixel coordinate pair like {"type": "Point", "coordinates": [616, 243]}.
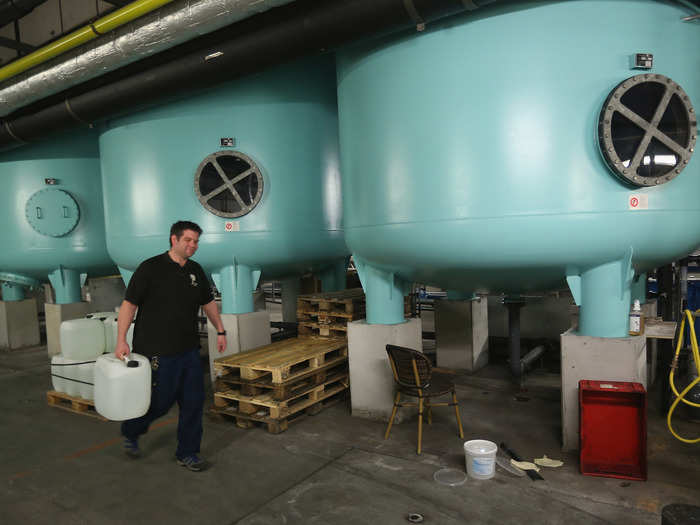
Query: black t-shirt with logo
{"type": "Point", "coordinates": [168, 296]}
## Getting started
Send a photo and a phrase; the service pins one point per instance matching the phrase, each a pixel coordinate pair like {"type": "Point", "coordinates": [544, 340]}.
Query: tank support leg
{"type": "Point", "coordinates": [237, 282]}
{"type": "Point", "coordinates": [12, 292]}
{"type": "Point", "coordinates": [126, 275]}
{"type": "Point", "coordinates": [603, 294]}
{"type": "Point", "coordinates": [333, 277]}
{"type": "Point", "coordinates": [290, 293]}
{"type": "Point", "coordinates": [384, 292]}
{"type": "Point", "coordinates": [66, 285]}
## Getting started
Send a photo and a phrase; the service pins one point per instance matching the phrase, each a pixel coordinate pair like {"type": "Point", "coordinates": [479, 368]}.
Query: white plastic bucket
{"type": "Point", "coordinates": [480, 456]}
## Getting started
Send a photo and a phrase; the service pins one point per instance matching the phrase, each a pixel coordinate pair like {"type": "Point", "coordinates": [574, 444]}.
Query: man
{"type": "Point", "coordinates": [168, 290]}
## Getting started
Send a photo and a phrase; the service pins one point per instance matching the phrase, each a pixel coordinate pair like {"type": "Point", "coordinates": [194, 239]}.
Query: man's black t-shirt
{"type": "Point", "coordinates": [168, 296]}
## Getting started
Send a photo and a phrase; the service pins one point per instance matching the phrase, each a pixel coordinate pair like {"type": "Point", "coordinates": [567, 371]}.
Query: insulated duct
{"type": "Point", "coordinates": [171, 25]}
{"type": "Point", "coordinates": [280, 35]}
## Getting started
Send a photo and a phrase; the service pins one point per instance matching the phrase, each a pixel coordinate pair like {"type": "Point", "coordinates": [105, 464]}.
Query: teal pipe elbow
{"type": "Point", "coordinates": [12, 292]}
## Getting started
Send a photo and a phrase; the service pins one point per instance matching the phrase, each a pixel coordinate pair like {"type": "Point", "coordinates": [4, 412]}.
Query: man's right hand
{"type": "Point", "coordinates": [122, 350]}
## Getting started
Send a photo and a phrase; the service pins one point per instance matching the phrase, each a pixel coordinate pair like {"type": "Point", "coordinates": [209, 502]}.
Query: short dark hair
{"type": "Point", "coordinates": [179, 227]}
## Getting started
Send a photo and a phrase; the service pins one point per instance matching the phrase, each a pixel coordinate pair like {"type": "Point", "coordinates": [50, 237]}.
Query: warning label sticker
{"type": "Point", "coordinates": [638, 202]}
{"type": "Point", "coordinates": [231, 226]}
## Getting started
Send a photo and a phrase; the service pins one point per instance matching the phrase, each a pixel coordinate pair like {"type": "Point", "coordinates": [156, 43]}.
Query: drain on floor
{"type": "Point", "coordinates": [414, 518]}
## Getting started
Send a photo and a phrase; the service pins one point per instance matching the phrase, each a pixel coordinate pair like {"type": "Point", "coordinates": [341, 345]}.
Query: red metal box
{"type": "Point", "coordinates": [613, 429]}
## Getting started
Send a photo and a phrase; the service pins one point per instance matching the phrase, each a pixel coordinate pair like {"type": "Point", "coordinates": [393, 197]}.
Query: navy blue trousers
{"type": "Point", "coordinates": [178, 378]}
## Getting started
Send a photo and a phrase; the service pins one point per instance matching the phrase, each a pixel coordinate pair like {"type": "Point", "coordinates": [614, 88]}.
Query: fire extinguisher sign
{"type": "Point", "coordinates": [231, 226]}
{"type": "Point", "coordinates": [638, 202]}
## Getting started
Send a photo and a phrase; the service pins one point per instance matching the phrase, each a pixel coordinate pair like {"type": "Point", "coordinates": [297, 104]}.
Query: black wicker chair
{"type": "Point", "coordinates": [414, 377]}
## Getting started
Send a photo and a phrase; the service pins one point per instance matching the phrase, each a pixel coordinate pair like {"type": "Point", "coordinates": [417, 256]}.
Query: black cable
{"type": "Point", "coordinates": [76, 380]}
{"type": "Point", "coordinates": [73, 364]}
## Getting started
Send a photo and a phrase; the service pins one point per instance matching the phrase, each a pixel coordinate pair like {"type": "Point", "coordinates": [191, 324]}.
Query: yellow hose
{"type": "Point", "coordinates": [80, 36]}
{"type": "Point", "coordinates": [696, 356]}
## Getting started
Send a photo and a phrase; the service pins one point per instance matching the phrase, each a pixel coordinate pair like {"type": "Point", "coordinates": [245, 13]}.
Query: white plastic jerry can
{"type": "Point", "coordinates": [82, 338]}
{"type": "Point", "coordinates": [122, 387]}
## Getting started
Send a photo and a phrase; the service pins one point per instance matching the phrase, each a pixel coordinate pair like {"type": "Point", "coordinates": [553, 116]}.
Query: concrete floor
{"type": "Point", "coordinates": [62, 468]}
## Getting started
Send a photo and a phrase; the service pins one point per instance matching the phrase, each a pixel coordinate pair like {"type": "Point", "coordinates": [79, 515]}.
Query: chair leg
{"type": "Point", "coordinates": [420, 423]}
{"type": "Point", "coordinates": [459, 419]}
{"type": "Point", "coordinates": [430, 414]}
{"type": "Point", "coordinates": [397, 398]}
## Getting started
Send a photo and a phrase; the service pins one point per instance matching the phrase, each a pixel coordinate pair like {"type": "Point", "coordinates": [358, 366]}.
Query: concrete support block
{"type": "Point", "coordinates": [371, 379]}
{"type": "Point", "coordinates": [597, 359]}
{"type": "Point", "coordinates": [462, 334]}
{"type": "Point", "coordinates": [243, 332]}
{"type": "Point", "coordinates": [19, 324]}
{"type": "Point", "coordinates": [105, 293]}
{"type": "Point", "coordinates": [55, 315]}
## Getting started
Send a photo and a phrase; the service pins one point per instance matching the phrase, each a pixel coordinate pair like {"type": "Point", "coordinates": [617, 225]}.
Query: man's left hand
{"type": "Point", "coordinates": [221, 343]}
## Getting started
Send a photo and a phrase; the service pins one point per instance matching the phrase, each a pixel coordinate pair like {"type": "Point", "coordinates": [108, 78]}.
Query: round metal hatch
{"type": "Point", "coordinates": [647, 130]}
{"type": "Point", "coordinates": [228, 184]}
{"type": "Point", "coordinates": [52, 212]}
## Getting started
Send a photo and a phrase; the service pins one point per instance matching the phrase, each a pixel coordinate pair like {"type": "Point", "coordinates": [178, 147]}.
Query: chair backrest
{"type": "Point", "coordinates": [411, 368]}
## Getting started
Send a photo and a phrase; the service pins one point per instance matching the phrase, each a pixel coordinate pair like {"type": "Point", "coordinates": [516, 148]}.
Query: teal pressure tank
{"type": "Point", "coordinates": [521, 147]}
{"type": "Point", "coordinates": [52, 217]}
{"type": "Point", "coordinates": [253, 162]}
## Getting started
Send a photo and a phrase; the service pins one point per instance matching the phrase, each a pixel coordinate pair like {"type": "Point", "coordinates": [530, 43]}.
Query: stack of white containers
{"type": "Point", "coordinates": [73, 370]}
{"type": "Point", "coordinates": [82, 341]}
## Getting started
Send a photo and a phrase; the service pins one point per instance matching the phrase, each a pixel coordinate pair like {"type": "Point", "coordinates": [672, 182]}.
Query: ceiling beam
{"type": "Point", "coordinates": [14, 44]}
{"type": "Point", "coordinates": [119, 3]}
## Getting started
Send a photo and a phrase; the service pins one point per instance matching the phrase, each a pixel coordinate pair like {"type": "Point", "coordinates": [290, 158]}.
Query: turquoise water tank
{"type": "Point", "coordinates": [52, 217]}
{"type": "Point", "coordinates": [254, 163]}
{"type": "Point", "coordinates": [522, 147]}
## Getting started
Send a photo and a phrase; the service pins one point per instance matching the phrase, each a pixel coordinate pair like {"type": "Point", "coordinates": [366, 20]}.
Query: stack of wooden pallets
{"type": "Point", "coordinates": [277, 383]}
{"type": "Point", "coordinates": [327, 314]}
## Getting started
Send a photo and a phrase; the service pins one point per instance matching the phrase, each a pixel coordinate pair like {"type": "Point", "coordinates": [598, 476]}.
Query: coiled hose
{"type": "Point", "coordinates": [696, 356]}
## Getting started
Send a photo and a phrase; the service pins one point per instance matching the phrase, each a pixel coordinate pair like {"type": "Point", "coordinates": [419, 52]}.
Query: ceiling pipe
{"type": "Point", "coordinates": [80, 36]}
{"type": "Point", "coordinates": [299, 29]}
{"type": "Point", "coordinates": [11, 10]}
{"type": "Point", "coordinates": [152, 33]}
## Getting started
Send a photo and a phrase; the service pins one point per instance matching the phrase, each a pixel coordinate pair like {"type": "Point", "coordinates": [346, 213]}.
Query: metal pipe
{"type": "Point", "coordinates": [514, 337]}
{"type": "Point", "coordinates": [169, 26]}
{"type": "Point", "coordinates": [80, 36]}
{"type": "Point", "coordinates": [530, 358]}
{"type": "Point", "coordinates": [289, 32]}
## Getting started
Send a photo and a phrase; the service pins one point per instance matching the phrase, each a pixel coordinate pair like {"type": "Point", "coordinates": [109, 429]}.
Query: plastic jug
{"type": "Point", "coordinates": [122, 389]}
{"type": "Point", "coordinates": [82, 339]}
{"type": "Point", "coordinates": [74, 378]}
{"type": "Point", "coordinates": [111, 332]}
{"type": "Point", "coordinates": [109, 322]}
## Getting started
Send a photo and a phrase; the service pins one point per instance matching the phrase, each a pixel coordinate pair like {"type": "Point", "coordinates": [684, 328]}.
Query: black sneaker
{"type": "Point", "coordinates": [131, 448]}
{"type": "Point", "coordinates": [191, 462]}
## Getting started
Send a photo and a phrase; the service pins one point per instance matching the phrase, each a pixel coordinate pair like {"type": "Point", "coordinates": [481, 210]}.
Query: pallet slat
{"type": "Point", "coordinates": [74, 404]}
{"type": "Point", "coordinates": [285, 360]}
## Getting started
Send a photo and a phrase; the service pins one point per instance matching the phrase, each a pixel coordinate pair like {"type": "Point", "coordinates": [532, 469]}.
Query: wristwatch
{"type": "Point", "coordinates": [221, 333]}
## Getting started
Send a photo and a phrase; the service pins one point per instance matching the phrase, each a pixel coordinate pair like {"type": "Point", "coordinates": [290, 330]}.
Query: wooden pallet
{"type": "Point", "coordinates": [275, 426]}
{"type": "Point", "coordinates": [77, 405]}
{"type": "Point", "coordinates": [310, 328]}
{"type": "Point", "coordinates": [346, 303]}
{"type": "Point", "coordinates": [288, 389]}
{"type": "Point", "coordinates": [328, 314]}
{"type": "Point", "coordinates": [283, 361]}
